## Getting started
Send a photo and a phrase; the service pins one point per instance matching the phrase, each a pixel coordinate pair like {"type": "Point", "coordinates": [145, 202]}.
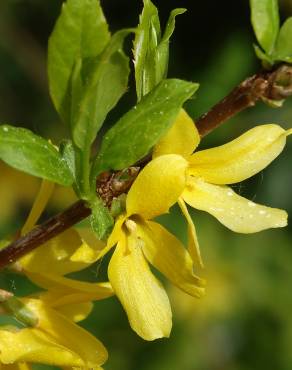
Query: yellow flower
{"type": "Point", "coordinates": [55, 340]}
{"type": "Point", "coordinates": [139, 241]}
{"type": "Point", "coordinates": [209, 171]}
{"type": "Point", "coordinates": [66, 253]}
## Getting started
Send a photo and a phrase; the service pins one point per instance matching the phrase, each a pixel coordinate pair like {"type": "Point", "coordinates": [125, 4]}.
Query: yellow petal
{"type": "Point", "coordinates": [61, 255]}
{"type": "Point", "coordinates": [33, 345]}
{"type": "Point", "coordinates": [115, 236]}
{"type": "Point", "coordinates": [157, 187]}
{"type": "Point", "coordinates": [69, 286]}
{"type": "Point", "coordinates": [75, 306]}
{"type": "Point", "coordinates": [165, 252]}
{"type": "Point", "coordinates": [193, 242]}
{"type": "Point", "coordinates": [240, 158]}
{"type": "Point", "coordinates": [232, 210]}
{"type": "Point", "coordinates": [68, 334]}
{"type": "Point", "coordinates": [141, 294]}
{"type": "Point", "coordinates": [182, 138]}
{"type": "Point", "coordinates": [89, 237]}
{"type": "Point", "coordinates": [39, 205]}
{"type": "Point", "coordinates": [76, 312]}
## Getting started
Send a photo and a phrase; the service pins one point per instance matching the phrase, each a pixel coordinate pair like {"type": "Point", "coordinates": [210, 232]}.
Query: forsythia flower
{"type": "Point", "coordinates": [139, 241]}
{"type": "Point", "coordinates": [210, 170]}
{"type": "Point", "coordinates": [66, 253]}
{"type": "Point", "coordinates": [55, 340]}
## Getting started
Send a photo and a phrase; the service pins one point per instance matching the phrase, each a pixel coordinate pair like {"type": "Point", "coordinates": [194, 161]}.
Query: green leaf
{"type": "Point", "coordinates": [150, 51]}
{"type": "Point", "coordinates": [68, 154]}
{"type": "Point", "coordinates": [265, 22]}
{"type": "Point", "coordinates": [283, 49]}
{"type": "Point", "coordinates": [145, 43]}
{"type": "Point", "coordinates": [139, 130]}
{"type": "Point", "coordinates": [107, 83]}
{"type": "Point", "coordinates": [80, 32]}
{"type": "Point", "coordinates": [101, 221]}
{"type": "Point", "coordinates": [27, 152]}
{"type": "Point", "coordinates": [162, 52]}
{"type": "Point", "coordinates": [266, 60]}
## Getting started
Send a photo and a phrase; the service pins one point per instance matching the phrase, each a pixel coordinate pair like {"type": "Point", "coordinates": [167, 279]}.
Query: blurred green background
{"type": "Point", "coordinates": [245, 321]}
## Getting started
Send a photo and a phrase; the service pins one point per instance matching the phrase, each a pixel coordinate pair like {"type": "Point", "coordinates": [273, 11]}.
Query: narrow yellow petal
{"type": "Point", "coordinates": [115, 236]}
{"type": "Point", "coordinates": [232, 210]}
{"type": "Point", "coordinates": [40, 203]}
{"type": "Point", "coordinates": [157, 187]}
{"type": "Point", "coordinates": [69, 286]}
{"type": "Point", "coordinates": [68, 334]}
{"type": "Point", "coordinates": [193, 242]}
{"type": "Point", "coordinates": [141, 294]}
{"type": "Point", "coordinates": [61, 255]}
{"type": "Point", "coordinates": [33, 345]}
{"type": "Point", "coordinates": [182, 138]}
{"type": "Point", "coordinates": [76, 312]}
{"type": "Point", "coordinates": [166, 253]}
{"type": "Point", "coordinates": [241, 158]}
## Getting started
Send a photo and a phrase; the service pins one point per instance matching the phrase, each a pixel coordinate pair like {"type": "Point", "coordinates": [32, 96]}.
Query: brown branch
{"type": "Point", "coordinates": [270, 86]}
{"type": "Point", "coordinates": [41, 234]}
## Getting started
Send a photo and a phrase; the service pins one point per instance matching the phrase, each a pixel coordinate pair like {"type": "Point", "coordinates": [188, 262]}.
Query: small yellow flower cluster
{"type": "Point", "coordinates": [175, 175]}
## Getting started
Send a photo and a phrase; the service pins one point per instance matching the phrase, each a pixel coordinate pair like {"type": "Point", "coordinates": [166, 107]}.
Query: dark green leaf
{"type": "Point", "coordinates": [107, 83]}
{"type": "Point", "coordinates": [80, 32]}
{"type": "Point", "coordinates": [138, 130]}
{"type": "Point", "coordinates": [101, 221]}
{"type": "Point", "coordinates": [283, 49]}
{"type": "Point", "coordinates": [27, 152]}
{"type": "Point", "coordinates": [265, 21]}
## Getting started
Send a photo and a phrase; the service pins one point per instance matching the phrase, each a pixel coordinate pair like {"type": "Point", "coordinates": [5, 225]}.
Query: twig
{"type": "Point", "coordinates": [270, 86]}
{"type": "Point", "coordinates": [41, 234]}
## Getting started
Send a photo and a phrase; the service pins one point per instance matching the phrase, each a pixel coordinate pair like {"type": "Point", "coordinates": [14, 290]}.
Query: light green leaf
{"type": "Point", "coordinates": [101, 221]}
{"type": "Point", "coordinates": [106, 84]}
{"type": "Point", "coordinates": [80, 32]}
{"type": "Point", "coordinates": [151, 52]}
{"type": "Point", "coordinates": [162, 52]}
{"type": "Point", "coordinates": [139, 130]}
{"type": "Point", "coordinates": [266, 60]}
{"type": "Point", "coordinates": [145, 43]}
{"type": "Point", "coordinates": [27, 152]}
{"type": "Point", "coordinates": [265, 22]}
{"type": "Point", "coordinates": [283, 49]}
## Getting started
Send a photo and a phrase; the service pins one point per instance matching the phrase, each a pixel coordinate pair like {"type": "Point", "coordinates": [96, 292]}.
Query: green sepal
{"type": "Point", "coordinates": [30, 153]}
{"type": "Point", "coordinates": [132, 137]}
{"type": "Point", "coordinates": [81, 32]}
{"type": "Point", "coordinates": [265, 22]}
{"type": "Point", "coordinates": [106, 82]}
{"type": "Point", "coordinates": [101, 220]}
